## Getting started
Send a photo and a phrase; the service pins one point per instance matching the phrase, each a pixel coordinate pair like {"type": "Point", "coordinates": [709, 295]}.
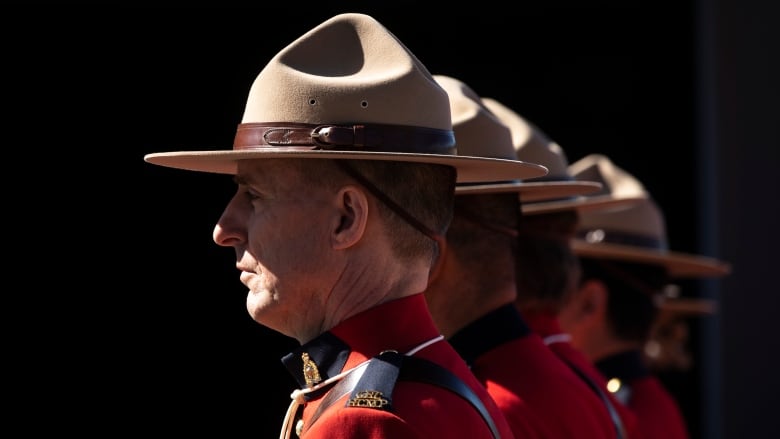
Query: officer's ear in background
{"type": "Point", "coordinates": [441, 259]}
{"type": "Point", "coordinates": [586, 308]}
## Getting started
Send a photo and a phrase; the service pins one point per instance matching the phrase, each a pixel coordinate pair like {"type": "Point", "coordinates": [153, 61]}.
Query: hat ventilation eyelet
{"type": "Point", "coordinates": [596, 235]}
{"type": "Point", "coordinates": [312, 101]}
{"type": "Point", "coordinates": [364, 104]}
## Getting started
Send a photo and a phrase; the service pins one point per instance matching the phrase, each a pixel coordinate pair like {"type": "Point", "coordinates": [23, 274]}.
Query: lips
{"type": "Point", "coordinates": [246, 276]}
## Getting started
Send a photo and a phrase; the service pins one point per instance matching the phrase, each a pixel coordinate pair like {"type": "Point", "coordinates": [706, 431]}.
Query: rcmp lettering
{"type": "Point", "coordinates": [368, 398]}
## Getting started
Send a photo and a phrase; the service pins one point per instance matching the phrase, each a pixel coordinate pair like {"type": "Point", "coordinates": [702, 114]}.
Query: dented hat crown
{"type": "Point", "coordinates": [347, 89]}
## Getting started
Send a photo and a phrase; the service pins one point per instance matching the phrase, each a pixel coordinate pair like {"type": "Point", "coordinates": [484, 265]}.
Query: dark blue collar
{"type": "Point", "coordinates": [626, 366]}
{"type": "Point", "coordinates": [488, 332]}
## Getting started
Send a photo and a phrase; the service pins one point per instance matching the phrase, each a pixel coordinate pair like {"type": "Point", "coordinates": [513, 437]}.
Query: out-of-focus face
{"type": "Point", "coordinates": [583, 317]}
{"type": "Point", "coordinates": [571, 318]}
{"type": "Point", "coordinates": [279, 230]}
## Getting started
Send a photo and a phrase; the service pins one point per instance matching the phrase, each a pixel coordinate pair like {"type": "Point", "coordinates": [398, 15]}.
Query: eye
{"type": "Point", "coordinates": [252, 195]}
{"type": "Point", "coordinates": [247, 193]}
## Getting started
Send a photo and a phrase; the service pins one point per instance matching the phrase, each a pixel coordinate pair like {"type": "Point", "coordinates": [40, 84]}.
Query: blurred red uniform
{"type": "Point", "coordinates": [546, 325]}
{"type": "Point", "coordinates": [657, 411]}
{"type": "Point", "coordinates": [528, 381]}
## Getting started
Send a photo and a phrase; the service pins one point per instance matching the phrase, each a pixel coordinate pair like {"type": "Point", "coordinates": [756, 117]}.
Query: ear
{"type": "Point", "coordinates": [593, 301]}
{"type": "Point", "coordinates": [440, 261]}
{"type": "Point", "coordinates": [350, 223]}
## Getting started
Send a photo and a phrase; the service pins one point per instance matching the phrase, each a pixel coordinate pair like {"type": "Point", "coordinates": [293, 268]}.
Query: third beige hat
{"type": "Point", "coordinates": [568, 190]}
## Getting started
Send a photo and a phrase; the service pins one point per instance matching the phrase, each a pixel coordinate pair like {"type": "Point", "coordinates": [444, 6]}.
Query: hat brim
{"type": "Point", "coordinates": [580, 204]}
{"type": "Point", "coordinates": [678, 265]}
{"type": "Point", "coordinates": [470, 169]}
{"type": "Point", "coordinates": [553, 196]}
{"type": "Point", "coordinates": [533, 191]}
{"type": "Point", "coordinates": [688, 306]}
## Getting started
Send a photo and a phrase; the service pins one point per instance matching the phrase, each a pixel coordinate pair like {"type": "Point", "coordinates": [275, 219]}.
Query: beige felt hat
{"type": "Point", "coordinates": [617, 188]}
{"type": "Point", "coordinates": [566, 191]}
{"type": "Point", "coordinates": [636, 233]}
{"type": "Point", "coordinates": [530, 143]}
{"type": "Point", "coordinates": [347, 89]}
{"type": "Point", "coordinates": [480, 132]}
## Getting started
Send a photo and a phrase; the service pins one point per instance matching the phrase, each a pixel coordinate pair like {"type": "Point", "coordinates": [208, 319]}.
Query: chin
{"type": "Point", "coordinates": [257, 302]}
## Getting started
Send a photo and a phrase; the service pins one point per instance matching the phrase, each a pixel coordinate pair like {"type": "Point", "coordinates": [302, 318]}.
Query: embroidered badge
{"type": "Point", "coordinates": [310, 371]}
{"type": "Point", "coordinates": [368, 398]}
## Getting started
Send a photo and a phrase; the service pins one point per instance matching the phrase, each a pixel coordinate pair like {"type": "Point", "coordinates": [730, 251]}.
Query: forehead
{"type": "Point", "coordinates": [266, 172]}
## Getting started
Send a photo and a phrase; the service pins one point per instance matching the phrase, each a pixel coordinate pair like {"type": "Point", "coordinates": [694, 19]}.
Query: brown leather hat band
{"type": "Point", "coordinates": [606, 236]}
{"type": "Point", "coordinates": [288, 136]}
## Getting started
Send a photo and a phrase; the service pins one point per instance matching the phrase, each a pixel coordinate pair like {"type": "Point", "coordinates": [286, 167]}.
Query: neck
{"type": "Point", "coordinates": [597, 350]}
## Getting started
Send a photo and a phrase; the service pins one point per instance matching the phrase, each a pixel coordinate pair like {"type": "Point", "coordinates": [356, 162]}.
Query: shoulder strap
{"type": "Point", "coordinates": [380, 376]}
{"type": "Point", "coordinates": [613, 413]}
{"type": "Point", "coordinates": [422, 370]}
{"type": "Point", "coordinates": [338, 391]}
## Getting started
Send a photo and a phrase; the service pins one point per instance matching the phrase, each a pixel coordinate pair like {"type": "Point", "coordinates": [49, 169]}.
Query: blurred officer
{"type": "Point", "coordinates": [472, 293]}
{"type": "Point", "coordinates": [626, 266]}
{"type": "Point", "coordinates": [667, 348]}
{"type": "Point", "coordinates": [546, 268]}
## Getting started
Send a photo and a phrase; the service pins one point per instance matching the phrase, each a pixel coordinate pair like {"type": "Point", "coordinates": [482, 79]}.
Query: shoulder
{"type": "Point", "coordinates": [400, 393]}
{"type": "Point", "coordinates": [419, 410]}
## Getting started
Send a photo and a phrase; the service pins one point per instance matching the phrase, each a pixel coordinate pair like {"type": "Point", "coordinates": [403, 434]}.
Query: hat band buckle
{"type": "Point", "coordinates": [292, 136]}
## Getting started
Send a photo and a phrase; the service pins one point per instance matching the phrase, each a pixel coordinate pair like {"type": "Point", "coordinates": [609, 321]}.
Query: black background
{"type": "Point", "coordinates": [136, 312]}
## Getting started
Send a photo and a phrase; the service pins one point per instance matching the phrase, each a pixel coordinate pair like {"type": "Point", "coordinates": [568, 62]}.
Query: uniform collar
{"type": "Point", "coordinates": [625, 366]}
{"type": "Point", "coordinates": [399, 325]}
{"type": "Point", "coordinates": [327, 352]}
{"type": "Point", "coordinates": [488, 332]}
{"type": "Point", "coordinates": [544, 323]}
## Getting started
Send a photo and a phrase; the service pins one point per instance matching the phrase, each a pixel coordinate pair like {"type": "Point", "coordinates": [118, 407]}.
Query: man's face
{"type": "Point", "coordinates": [279, 230]}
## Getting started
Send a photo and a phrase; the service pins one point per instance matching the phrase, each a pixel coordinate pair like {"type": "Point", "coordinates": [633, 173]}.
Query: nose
{"type": "Point", "coordinates": [229, 230]}
{"type": "Point", "coordinates": [221, 236]}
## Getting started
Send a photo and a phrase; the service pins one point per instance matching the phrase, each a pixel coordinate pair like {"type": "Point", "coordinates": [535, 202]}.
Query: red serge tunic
{"type": "Point", "coordinates": [411, 409]}
{"type": "Point", "coordinates": [656, 409]}
{"type": "Point", "coordinates": [546, 325]}
{"type": "Point", "coordinates": [530, 384]}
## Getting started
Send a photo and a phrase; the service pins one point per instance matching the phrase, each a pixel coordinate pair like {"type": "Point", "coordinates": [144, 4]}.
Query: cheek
{"type": "Point", "coordinates": [286, 242]}
{"type": "Point", "coordinates": [566, 318]}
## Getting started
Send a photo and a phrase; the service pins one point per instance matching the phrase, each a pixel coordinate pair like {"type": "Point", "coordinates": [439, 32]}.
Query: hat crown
{"type": "Point", "coordinates": [634, 232]}
{"type": "Point", "coordinates": [348, 70]}
{"type": "Point", "coordinates": [641, 222]}
{"type": "Point", "coordinates": [477, 130]}
{"type": "Point", "coordinates": [530, 143]}
{"type": "Point", "coordinates": [642, 218]}
{"type": "Point", "coordinates": [616, 182]}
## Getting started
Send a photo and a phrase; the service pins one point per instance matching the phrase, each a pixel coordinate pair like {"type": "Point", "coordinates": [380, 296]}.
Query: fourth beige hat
{"type": "Point", "coordinates": [636, 233]}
